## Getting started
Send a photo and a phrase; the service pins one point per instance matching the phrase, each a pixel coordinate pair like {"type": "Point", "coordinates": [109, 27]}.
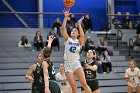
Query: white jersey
{"type": "Point", "coordinates": [133, 75]}
{"type": "Point", "coordinates": [72, 50]}
{"type": "Point", "coordinates": [63, 83]}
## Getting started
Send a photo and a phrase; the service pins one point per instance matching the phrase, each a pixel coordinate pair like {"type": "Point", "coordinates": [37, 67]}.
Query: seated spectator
{"type": "Point", "coordinates": [87, 23]}
{"type": "Point", "coordinates": [117, 23]}
{"type": "Point", "coordinates": [102, 45]}
{"type": "Point", "coordinates": [99, 69]}
{"type": "Point", "coordinates": [38, 41]}
{"type": "Point", "coordinates": [106, 62]}
{"type": "Point", "coordinates": [24, 42]}
{"type": "Point", "coordinates": [73, 19]}
{"type": "Point", "coordinates": [69, 26]}
{"type": "Point", "coordinates": [89, 44]}
{"type": "Point", "coordinates": [138, 28]}
{"type": "Point", "coordinates": [127, 23]}
{"type": "Point", "coordinates": [137, 43]}
{"type": "Point", "coordinates": [55, 42]}
{"type": "Point", "coordinates": [57, 26]}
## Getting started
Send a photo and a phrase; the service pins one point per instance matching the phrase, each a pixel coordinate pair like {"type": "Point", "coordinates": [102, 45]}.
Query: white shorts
{"type": "Point", "coordinates": [66, 90]}
{"type": "Point", "coordinates": [134, 85]}
{"type": "Point", "coordinates": [72, 66]}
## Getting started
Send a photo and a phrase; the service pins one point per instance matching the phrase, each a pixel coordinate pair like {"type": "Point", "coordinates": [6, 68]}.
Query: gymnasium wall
{"type": "Point", "coordinates": [9, 20]}
{"type": "Point", "coordinates": [131, 6]}
{"type": "Point", "coordinates": [138, 6]}
{"type": "Point", "coordinates": [96, 9]}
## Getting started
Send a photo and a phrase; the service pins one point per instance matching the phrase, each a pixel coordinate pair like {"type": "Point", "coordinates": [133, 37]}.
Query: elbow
{"type": "Point", "coordinates": [26, 77]}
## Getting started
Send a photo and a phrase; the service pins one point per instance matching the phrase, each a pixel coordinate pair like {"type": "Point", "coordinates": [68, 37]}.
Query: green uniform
{"type": "Point", "coordinates": [91, 77]}
{"type": "Point", "coordinates": [38, 85]}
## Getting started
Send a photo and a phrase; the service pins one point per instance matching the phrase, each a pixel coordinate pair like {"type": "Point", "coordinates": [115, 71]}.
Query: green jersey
{"type": "Point", "coordinates": [90, 74]}
{"type": "Point", "coordinates": [38, 74]}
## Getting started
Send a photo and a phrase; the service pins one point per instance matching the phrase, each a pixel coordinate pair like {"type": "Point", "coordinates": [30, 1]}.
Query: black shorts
{"type": "Point", "coordinates": [53, 86]}
{"type": "Point", "coordinates": [93, 84]}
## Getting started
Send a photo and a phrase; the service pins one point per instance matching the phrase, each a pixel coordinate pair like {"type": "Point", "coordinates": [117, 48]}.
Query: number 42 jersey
{"type": "Point", "coordinates": [72, 50]}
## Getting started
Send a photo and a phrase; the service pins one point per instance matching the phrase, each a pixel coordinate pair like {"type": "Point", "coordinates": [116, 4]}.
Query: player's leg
{"type": "Point", "coordinates": [137, 89]}
{"type": "Point", "coordinates": [81, 76]}
{"type": "Point", "coordinates": [72, 82]}
{"type": "Point", "coordinates": [129, 89]}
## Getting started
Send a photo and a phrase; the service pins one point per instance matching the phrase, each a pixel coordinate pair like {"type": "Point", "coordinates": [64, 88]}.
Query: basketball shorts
{"type": "Point", "coordinates": [72, 66]}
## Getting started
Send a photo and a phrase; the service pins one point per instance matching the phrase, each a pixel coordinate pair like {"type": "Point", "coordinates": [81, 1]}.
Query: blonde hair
{"type": "Point", "coordinates": [133, 61]}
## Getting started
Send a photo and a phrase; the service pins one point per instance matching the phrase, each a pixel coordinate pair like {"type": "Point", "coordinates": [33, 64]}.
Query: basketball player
{"type": "Point", "coordinates": [42, 74]}
{"type": "Point", "coordinates": [73, 46]}
{"type": "Point", "coordinates": [62, 80]}
{"type": "Point", "coordinates": [132, 76]}
{"type": "Point", "coordinates": [90, 68]}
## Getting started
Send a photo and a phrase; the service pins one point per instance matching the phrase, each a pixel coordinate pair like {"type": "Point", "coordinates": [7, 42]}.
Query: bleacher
{"type": "Point", "coordinates": [15, 61]}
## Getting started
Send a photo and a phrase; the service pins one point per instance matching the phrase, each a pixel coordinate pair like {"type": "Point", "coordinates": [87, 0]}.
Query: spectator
{"type": "Point", "coordinates": [138, 28]}
{"type": "Point", "coordinates": [69, 26]}
{"type": "Point", "coordinates": [89, 44]}
{"type": "Point", "coordinates": [62, 80]}
{"type": "Point", "coordinates": [38, 41]}
{"type": "Point", "coordinates": [24, 42]}
{"type": "Point", "coordinates": [87, 23]}
{"type": "Point", "coordinates": [106, 62]}
{"type": "Point", "coordinates": [132, 76]}
{"type": "Point", "coordinates": [127, 22]}
{"type": "Point", "coordinates": [116, 22]}
{"type": "Point", "coordinates": [102, 45]}
{"type": "Point", "coordinates": [55, 42]}
{"type": "Point", "coordinates": [137, 43]}
{"type": "Point", "coordinates": [73, 19]}
{"type": "Point", "coordinates": [57, 26]}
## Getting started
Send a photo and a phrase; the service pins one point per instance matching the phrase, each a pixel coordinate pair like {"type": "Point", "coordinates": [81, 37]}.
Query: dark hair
{"type": "Point", "coordinates": [94, 53]}
{"type": "Point", "coordinates": [24, 40]}
{"type": "Point", "coordinates": [37, 33]}
{"type": "Point", "coordinates": [104, 54]}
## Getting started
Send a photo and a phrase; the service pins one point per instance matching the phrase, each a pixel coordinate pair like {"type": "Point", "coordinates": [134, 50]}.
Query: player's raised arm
{"type": "Point", "coordinates": [82, 37]}
{"type": "Point", "coordinates": [64, 31]}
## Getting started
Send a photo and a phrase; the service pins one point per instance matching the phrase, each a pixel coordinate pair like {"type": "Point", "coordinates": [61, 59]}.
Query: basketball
{"type": "Point", "coordinates": [69, 3]}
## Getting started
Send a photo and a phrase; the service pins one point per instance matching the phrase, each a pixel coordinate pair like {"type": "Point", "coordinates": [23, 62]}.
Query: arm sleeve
{"type": "Point", "coordinates": [126, 73]}
{"type": "Point", "coordinates": [138, 73]}
{"type": "Point", "coordinates": [108, 58]}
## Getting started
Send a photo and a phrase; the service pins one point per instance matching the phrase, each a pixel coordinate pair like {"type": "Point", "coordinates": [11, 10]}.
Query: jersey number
{"type": "Point", "coordinates": [53, 71]}
{"type": "Point", "coordinates": [72, 49]}
{"type": "Point", "coordinates": [88, 72]}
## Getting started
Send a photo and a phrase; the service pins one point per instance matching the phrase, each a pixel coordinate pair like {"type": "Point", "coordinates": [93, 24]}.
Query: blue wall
{"type": "Point", "coordinates": [9, 20]}
{"type": "Point", "coordinates": [96, 9]}
{"type": "Point", "coordinates": [138, 6]}
{"type": "Point", "coordinates": [130, 6]}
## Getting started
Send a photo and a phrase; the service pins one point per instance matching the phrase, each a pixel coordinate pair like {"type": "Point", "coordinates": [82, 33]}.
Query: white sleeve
{"type": "Point", "coordinates": [126, 74]}
{"type": "Point", "coordinates": [19, 44]}
{"type": "Point", "coordinates": [56, 76]}
{"type": "Point", "coordinates": [138, 73]}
